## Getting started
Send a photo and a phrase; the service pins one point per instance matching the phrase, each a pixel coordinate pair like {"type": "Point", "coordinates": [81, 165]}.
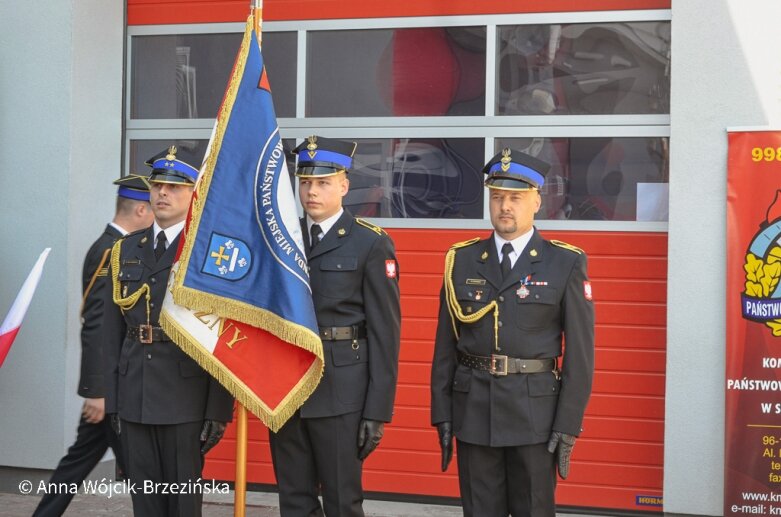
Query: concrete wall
{"type": "Point", "coordinates": [724, 74]}
{"type": "Point", "coordinates": [60, 144]}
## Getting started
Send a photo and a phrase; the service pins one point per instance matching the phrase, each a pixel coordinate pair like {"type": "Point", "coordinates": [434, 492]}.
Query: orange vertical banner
{"type": "Point", "coordinates": [752, 466]}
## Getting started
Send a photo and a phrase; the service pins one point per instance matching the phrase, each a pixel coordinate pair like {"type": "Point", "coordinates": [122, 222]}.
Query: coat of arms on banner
{"type": "Point", "coordinates": [762, 298]}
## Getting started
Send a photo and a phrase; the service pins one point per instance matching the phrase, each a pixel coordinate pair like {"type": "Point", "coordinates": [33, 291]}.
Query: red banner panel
{"type": "Point", "coordinates": [752, 467]}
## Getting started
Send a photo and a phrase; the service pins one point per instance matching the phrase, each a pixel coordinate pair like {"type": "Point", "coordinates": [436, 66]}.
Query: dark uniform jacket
{"type": "Point", "coordinates": [354, 278]}
{"type": "Point", "coordinates": [153, 383]}
{"type": "Point", "coordinates": [94, 272]}
{"type": "Point", "coordinates": [517, 409]}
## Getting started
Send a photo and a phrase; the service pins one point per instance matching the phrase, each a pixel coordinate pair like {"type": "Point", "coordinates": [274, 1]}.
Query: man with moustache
{"type": "Point", "coordinates": [507, 304]}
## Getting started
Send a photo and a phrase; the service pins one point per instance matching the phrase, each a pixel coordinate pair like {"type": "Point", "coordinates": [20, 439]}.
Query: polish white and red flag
{"type": "Point", "coordinates": [13, 320]}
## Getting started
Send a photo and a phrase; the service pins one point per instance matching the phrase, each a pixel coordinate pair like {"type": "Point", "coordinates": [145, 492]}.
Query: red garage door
{"type": "Point", "coordinates": [617, 463]}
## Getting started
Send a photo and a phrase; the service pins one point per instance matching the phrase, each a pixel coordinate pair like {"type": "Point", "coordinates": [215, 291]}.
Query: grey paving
{"type": "Point", "coordinates": [215, 505]}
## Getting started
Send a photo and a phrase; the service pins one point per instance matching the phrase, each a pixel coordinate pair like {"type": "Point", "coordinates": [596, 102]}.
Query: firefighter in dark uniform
{"type": "Point", "coordinates": [498, 381]}
{"type": "Point", "coordinates": [354, 277]}
{"type": "Point", "coordinates": [167, 410]}
{"type": "Point", "coordinates": [94, 435]}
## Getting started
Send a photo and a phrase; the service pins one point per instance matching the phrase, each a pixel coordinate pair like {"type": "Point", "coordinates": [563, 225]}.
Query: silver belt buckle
{"type": "Point", "coordinates": [498, 365]}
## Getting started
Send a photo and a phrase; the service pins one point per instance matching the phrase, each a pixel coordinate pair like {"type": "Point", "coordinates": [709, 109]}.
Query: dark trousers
{"type": "Point", "coordinates": [318, 455]}
{"type": "Point", "coordinates": [92, 441]}
{"type": "Point", "coordinates": [163, 454]}
{"type": "Point", "coordinates": [501, 481]}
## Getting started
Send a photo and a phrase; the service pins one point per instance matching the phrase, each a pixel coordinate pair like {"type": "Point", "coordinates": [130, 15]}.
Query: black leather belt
{"type": "Point", "coordinates": [340, 333]}
{"type": "Point", "coordinates": [147, 334]}
{"type": "Point", "coordinates": [502, 365]}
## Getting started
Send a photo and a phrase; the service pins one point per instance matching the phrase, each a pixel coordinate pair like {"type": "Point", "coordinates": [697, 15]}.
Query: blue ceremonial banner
{"type": "Point", "coordinates": [242, 266]}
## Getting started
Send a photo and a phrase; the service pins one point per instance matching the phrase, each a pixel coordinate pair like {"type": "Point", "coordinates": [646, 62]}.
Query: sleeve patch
{"type": "Point", "coordinates": [390, 268]}
{"type": "Point", "coordinates": [587, 290]}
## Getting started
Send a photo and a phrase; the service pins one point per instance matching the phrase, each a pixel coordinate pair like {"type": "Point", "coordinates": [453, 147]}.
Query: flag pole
{"type": "Point", "coordinates": [240, 495]}
{"type": "Point", "coordinates": [257, 13]}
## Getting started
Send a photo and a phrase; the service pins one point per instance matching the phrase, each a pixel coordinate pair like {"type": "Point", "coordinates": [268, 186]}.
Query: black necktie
{"type": "Point", "coordinates": [160, 245]}
{"type": "Point", "coordinates": [506, 264]}
{"type": "Point", "coordinates": [315, 233]}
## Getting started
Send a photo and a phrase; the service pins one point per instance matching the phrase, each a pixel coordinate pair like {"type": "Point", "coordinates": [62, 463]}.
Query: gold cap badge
{"type": "Point", "coordinates": [312, 146]}
{"type": "Point", "coordinates": [171, 153]}
{"type": "Point", "coordinates": [506, 159]}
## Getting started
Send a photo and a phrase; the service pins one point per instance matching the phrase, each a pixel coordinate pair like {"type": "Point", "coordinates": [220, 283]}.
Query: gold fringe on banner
{"type": "Point", "coordinates": [274, 419]}
{"type": "Point", "coordinates": [232, 309]}
{"type": "Point", "coordinates": [205, 179]}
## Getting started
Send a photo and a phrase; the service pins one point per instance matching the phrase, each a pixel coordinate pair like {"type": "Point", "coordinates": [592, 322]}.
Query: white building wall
{"type": "Point", "coordinates": [725, 73]}
{"type": "Point", "coordinates": [60, 144]}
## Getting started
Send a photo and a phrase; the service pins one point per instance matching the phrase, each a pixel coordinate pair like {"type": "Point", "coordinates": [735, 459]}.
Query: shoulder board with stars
{"type": "Point", "coordinates": [373, 227]}
{"type": "Point", "coordinates": [464, 244]}
{"type": "Point", "coordinates": [566, 246]}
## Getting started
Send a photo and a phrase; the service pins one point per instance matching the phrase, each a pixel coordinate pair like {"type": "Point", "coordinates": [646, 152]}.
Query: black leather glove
{"type": "Point", "coordinates": [113, 419]}
{"type": "Point", "coordinates": [369, 436]}
{"type": "Point", "coordinates": [445, 430]}
{"type": "Point", "coordinates": [561, 444]}
{"type": "Point", "coordinates": [210, 434]}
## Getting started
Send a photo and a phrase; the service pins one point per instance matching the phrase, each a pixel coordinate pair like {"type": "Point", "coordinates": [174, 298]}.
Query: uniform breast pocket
{"type": "Point", "coordinates": [337, 278]}
{"type": "Point", "coordinates": [129, 277]}
{"type": "Point", "coordinates": [538, 308]}
{"type": "Point", "coordinates": [472, 298]}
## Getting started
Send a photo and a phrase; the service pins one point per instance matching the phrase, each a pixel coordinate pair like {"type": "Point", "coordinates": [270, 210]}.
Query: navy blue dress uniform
{"type": "Point", "coordinates": [354, 278]}
{"type": "Point", "coordinates": [163, 399]}
{"type": "Point", "coordinates": [498, 381]}
{"type": "Point", "coordinates": [92, 440]}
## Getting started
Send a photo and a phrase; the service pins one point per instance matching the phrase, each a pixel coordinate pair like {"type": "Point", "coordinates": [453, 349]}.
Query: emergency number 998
{"type": "Point", "coordinates": [768, 154]}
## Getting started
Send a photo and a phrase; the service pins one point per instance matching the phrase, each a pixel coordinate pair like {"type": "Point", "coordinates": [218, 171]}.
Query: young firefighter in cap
{"type": "Point", "coordinates": [497, 384]}
{"type": "Point", "coordinates": [94, 434]}
{"type": "Point", "coordinates": [166, 409]}
{"type": "Point", "coordinates": [354, 277]}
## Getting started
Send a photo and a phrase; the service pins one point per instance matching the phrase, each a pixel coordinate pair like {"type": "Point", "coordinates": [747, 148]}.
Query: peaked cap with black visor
{"type": "Point", "coordinates": [513, 170]}
{"type": "Point", "coordinates": [319, 157]}
{"type": "Point", "coordinates": [173, 166]}
{"type": "Point", "coordinates": [133, 186]}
